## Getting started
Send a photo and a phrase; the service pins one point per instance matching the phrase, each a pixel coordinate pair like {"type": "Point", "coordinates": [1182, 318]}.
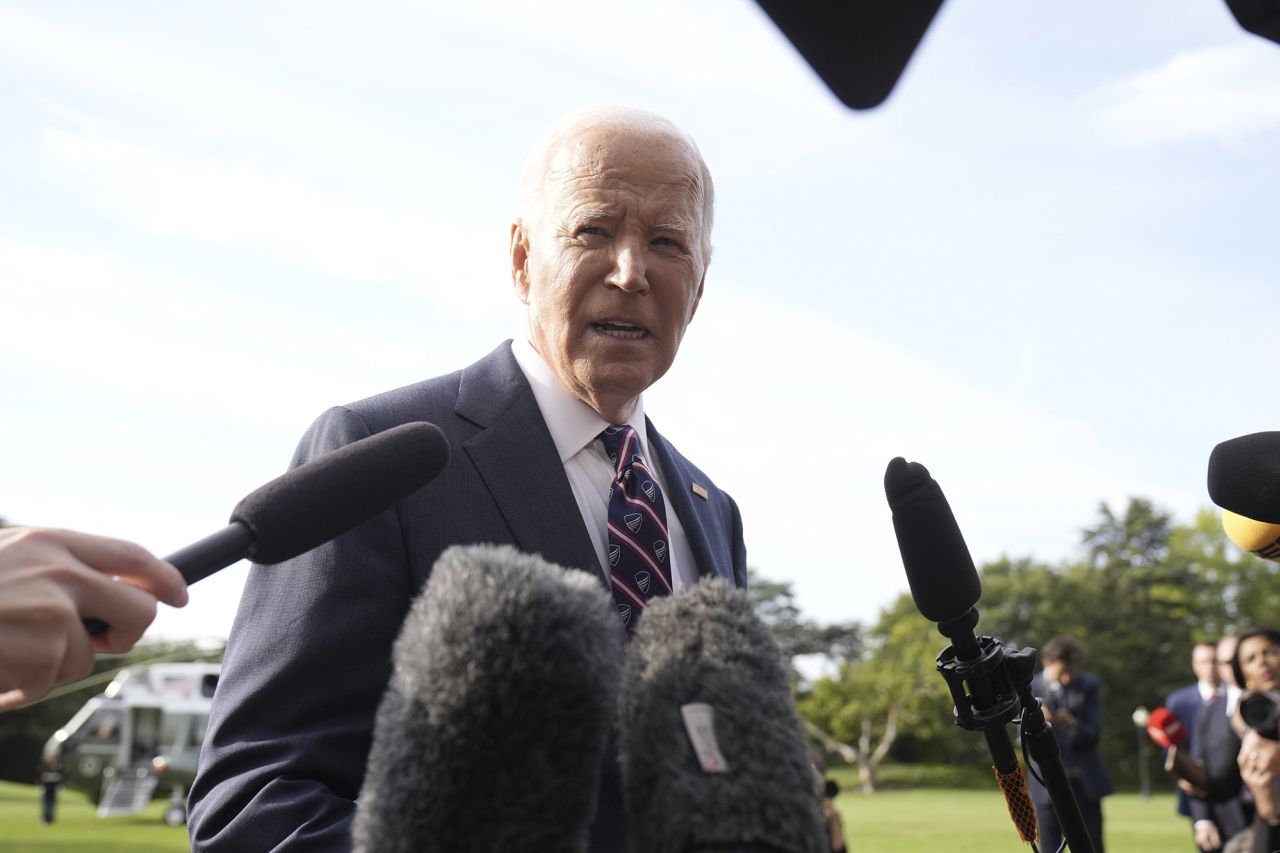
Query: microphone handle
{"type": "Point", "coordinates": [217, 551]}
{"type": "Point", "coordinates": [200, 559]}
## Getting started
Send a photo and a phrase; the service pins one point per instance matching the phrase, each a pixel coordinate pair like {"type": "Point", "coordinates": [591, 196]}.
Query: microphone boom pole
{"type": "Point", "coordinates": [990, 685]}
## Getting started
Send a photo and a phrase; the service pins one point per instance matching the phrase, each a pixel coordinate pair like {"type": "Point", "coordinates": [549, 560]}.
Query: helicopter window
{"type": "Point", "coordinates": [103, 726]}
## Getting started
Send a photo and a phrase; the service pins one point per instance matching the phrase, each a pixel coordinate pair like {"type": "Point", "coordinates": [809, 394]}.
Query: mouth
{"type": "Point", "coordinates": [620, 330]}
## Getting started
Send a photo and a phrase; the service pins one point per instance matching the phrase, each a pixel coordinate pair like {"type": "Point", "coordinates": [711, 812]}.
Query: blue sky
{"type": "Point", "coordinates": [1045, 267]}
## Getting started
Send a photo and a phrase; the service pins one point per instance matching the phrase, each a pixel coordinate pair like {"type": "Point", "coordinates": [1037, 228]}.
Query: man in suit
{"type": "Point", "coordinates": [1073, 705]}
{"type": "Point", "coordinates": [1185, 703]}
{"type": "Point", "coordinates": [1214, 743]}
{"type": "Point", "coordinates": [608, 257]}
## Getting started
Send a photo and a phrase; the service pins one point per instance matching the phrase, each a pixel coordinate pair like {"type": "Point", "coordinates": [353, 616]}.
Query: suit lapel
{"type": "Point", "coordinates": [696, 516]}
{"type": "Point", "coordinates": [517, 460]}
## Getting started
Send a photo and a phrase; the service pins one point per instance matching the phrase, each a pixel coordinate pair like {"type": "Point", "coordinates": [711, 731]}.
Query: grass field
{"type": "Point", "coordinates": [920, 820]}
{"type": "Point", "coordinates": [78, 829]}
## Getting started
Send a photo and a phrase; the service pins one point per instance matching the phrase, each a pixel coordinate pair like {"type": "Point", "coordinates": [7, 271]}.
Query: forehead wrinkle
{"type": "Point", "coordinates": [596, 196]}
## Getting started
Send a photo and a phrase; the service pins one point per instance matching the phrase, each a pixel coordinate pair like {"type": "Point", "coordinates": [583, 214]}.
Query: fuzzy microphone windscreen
{"type": "Point", "coordinates": [712, 752]}
{"type": "Point", "coordinates": [494, 725]}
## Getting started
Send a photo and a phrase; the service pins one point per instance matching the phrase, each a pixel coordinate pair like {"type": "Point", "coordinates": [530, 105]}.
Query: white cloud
{"type": "Point", "coordinates": [155, 78]}
{"type": "Point", "coordinates": [797, 416]}
{"type": "Point", "coordinates": [299, 223]}
{"type": "Point", "coordinates": [1223, 93]}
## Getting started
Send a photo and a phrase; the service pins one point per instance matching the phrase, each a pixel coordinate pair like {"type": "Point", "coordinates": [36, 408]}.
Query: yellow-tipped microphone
{"type": "Point", "coordinates": [1256, 537]}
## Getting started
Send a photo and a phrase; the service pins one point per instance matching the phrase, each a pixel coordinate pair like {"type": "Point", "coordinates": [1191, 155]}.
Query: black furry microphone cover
{"type": "Point", "coordinates": [753, 786]}
{"type": "Point", "coordinates": [492, 731]}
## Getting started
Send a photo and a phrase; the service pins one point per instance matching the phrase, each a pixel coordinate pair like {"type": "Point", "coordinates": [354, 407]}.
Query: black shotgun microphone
{"type": "Point", "coordinates": [712, 753]}
{"type": "Point", "coordinates": [320, 500]}
{"type": "Point", "coordinates": [990, 685]}
{"type": "Point", "coordinates": [315, 502]}
{"type": "Point", "coordinates": [940, 571]}
{"type": "Point", "coordinates": [493, 729]}
{"type": "Point", "coordinates": [1244, 476]}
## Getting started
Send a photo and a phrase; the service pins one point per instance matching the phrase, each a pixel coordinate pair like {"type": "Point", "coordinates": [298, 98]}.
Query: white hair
{"type": "Point", "coordinates": [532, 177]}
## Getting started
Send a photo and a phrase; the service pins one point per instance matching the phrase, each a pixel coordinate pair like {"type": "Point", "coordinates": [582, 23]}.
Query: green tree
{"type": "Point", "coordinates": [1136, 601]}
{"type": "Point", "coordinates": [774, 602]}
{"type": "Point", "coordinates": [894, 688]}
{"type": "Point", "coordinates": [1246, 589]}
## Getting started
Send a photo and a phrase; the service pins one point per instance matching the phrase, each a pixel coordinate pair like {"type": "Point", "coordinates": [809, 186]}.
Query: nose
{"type": "Point", "coordinates": [628, 272]}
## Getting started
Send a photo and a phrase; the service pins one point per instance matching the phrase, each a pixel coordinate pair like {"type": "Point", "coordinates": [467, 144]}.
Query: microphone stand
{"type": "Point", "coordinates": [999, 693]}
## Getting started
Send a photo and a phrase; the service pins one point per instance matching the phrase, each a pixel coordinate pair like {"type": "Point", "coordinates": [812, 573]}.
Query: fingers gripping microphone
{"type": "Point", "coordinates": [712, 753]}
{"type": "Point", "coordinates": [1244, 476]}
{"type": "Point", "coordinates": [1262, 540]}
{"type": "Point", "coordinates": [1166, 729]}
{"type": "Point", "coordinates": [493, 728]}
{"type": "Point", "coordinates": [316, 502]}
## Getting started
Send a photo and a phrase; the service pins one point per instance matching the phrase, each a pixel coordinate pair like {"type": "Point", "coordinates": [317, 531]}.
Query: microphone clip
{"type": "Point", "coordinates": [992, 698]}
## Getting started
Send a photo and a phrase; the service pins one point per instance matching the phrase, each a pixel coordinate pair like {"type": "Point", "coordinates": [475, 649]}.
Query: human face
{"type": "Point", "coordinates": [1204, 664]}
{"type": "Point", "coordinates": [1260, 663]}
{"type": "Point", "coordinates": [610, 264]}
{"type": "Point", "coordinates": [1060, 671]}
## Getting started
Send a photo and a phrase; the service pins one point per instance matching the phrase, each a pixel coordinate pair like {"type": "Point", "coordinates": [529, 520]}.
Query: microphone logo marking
{"type": "Point", "coordinates": [700, 726]}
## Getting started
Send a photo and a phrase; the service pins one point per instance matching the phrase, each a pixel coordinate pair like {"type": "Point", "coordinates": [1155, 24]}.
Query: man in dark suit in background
{"type": "Point", "coordinates": [1215, 743]}
{"type": "Point", "coordinates": [608, 256]}
{"type": "Point", "coordinates": [1073, 705]}
{"type": "Point", "coordinates": [1185, 703]}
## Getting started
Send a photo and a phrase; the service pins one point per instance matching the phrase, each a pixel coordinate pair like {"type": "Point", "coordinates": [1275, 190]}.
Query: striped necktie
{"type": "Point", "coordinates": [639, 548]}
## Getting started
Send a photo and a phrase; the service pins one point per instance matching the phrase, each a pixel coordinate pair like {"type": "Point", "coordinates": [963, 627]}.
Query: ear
{"type": "Point", "coordinates": [520, 259]}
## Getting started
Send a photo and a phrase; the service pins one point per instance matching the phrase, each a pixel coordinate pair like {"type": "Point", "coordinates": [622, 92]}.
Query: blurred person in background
{"type": "Point", "coordinates": [1073, 705]}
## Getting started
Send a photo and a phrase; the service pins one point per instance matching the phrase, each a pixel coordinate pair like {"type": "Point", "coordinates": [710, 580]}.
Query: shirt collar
{"type": "Point", "coordinates": [572, 423]}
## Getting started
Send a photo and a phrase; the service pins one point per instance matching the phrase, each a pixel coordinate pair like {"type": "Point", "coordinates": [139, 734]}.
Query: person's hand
{"type": "Point", "coordinates": [1063, 717]}
{"type": "Point", "coordinates": [1207, 835]}
{"type": "Point", "coordinates": [1191, 790]}
{"type": "Point", "coordinates": [1259, 761]}
{"type": "Point", "coordinates": [52, 579]}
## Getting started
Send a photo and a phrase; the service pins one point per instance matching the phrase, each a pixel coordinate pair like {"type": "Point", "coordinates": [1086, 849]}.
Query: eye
{"type": "Point", "coordinates": [591, 231]}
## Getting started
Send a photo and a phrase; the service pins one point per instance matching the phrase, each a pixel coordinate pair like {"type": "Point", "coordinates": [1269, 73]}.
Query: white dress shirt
{"type": "Point", "coordinates": [575, 428]}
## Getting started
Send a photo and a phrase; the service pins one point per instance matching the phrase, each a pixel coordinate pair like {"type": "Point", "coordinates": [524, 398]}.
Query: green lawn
{"type": "Point", "coordinates": [977, 821]}
{"type": "Point", "coordinates": [78, 829]}
{"type": "Point", "coordinates": [920, 820]}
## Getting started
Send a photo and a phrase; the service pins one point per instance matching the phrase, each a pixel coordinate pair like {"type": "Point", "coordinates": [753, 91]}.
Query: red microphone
{"type": "Point", "coordinates": [1166, 729]}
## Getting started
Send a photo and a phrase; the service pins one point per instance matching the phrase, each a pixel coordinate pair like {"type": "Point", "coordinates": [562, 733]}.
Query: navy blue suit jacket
{"type": "Point", "coordinates": [310, 652]}
{"type": "Point", "coordinates": [1078, 744]}
{"type": "Point", "coordinates": [1217, 745]}
{"type": "Point", "coordinates": [1185, 703]}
